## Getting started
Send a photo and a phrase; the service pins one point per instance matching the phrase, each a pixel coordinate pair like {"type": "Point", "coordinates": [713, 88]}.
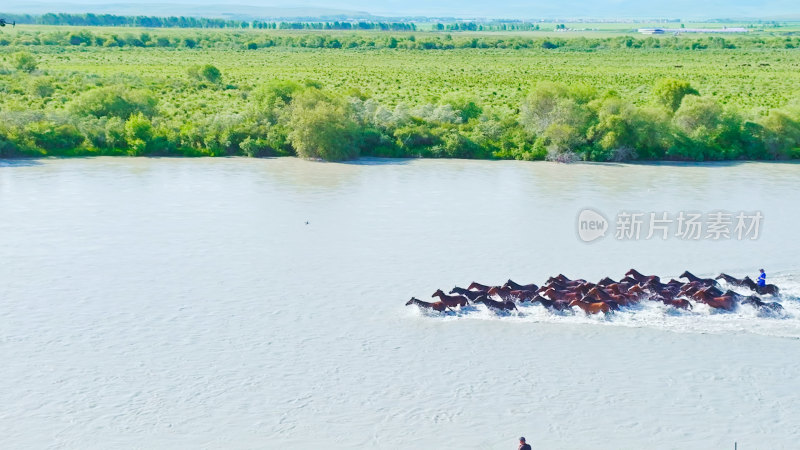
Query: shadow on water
{"type": "Point", "coordinates": [27, 162]}
{"type": "Point", "coordinates": [704, 163]}
{"type": "Point", "coordinates": [370, 161]}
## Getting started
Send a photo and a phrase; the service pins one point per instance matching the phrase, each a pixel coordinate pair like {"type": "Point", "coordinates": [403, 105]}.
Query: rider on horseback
{"type": "Point", "coordinates": [762, 279]}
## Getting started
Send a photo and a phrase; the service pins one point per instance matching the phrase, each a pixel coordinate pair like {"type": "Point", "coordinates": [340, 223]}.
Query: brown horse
{"type": "Point", "coordinates": [620, 288]}
{"type": "Point", "coordinates": [638, 292]}
{"type": "Point", "coordinates": [450, 300]}
{"type": "Point", "coordinates": [478, 287]}
{"type": "Point", "coordinates": [726, 302]}
{"type": "Point", "coordinates": [584, 287]}
{"type": "Point", "coordinates": [503, 292]}
{"type": "Point", "coordinates": [561, 295]}
{"type": "Point", "coordinates": [592, 307]}
{"type": "Point", "coordinates": [555, 285]}
{"type": "Point", "coordinates": [677, 303]}
{"type": "Point", "coordinates": [436, 306]}
{"type": "Point", "coordinates": [495, 305]}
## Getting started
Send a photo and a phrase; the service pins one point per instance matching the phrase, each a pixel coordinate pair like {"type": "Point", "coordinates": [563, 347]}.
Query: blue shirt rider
{"type": "Point", "coordinates": [762, 279]}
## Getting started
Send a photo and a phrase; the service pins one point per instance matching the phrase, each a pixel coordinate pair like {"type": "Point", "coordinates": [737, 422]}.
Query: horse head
{"type": "Point", "coordinates": [633, 273]}
{"type": "Point", "coordinates": [606, 281]}
{"type": "Point", "coordinates": [438, 292]}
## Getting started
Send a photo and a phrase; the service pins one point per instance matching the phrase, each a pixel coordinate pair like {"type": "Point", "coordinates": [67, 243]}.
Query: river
{"type": "Point", "coordinates": [259, 303]}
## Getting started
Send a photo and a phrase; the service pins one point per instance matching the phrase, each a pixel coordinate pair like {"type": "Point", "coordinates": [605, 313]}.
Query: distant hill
{"type": "Point", "coordinates": [242, 12]}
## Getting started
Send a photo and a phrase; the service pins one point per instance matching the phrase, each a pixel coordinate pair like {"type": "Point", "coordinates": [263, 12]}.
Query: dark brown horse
{"type": "Point", "coordinates": [471, 295]}
{"type": "Point", "coordinates": [734, 281]}
{"type": "Point", "coordinates": [606, 282]}
{"type": "Point", "coordinates": [756, 302]}
{"type": "Point", "coordinates": [494, 304]}
{"type": "Point", "coordinates": [633, 273]}
{"type": "Point", "coordinates": [620, 288]}
{"type": "Point", "coordinates": [520, 287]}
{"type": "Point", "coordinates": [692, 288]}
{"type": "Point", "coordinates": [665, 291]}
{"type": "Point", "coordinates": [606, 296]}
{"type": "Point", "coordinates": [558, 305]}
{"type": "Point", "coordinates": [769, 289]}
{"type": "Point", "coordinates": [562, 279]}
{"type": "Point", "coordinates": [689, 276]}
{"type": "Point", "coordinates": [450, 300]}
{"type": "Point", "coordinates": [436, 306]}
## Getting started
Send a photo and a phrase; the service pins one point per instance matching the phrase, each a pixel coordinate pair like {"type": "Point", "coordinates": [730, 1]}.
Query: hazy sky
{"type": "Point", "coordinates": [510, 9]}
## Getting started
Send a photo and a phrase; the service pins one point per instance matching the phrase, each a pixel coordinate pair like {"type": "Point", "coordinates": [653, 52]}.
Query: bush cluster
{"type": "Point", "coordinates": [554, 121]}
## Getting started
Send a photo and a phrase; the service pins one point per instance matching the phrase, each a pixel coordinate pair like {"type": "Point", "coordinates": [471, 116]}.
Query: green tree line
{"type": "Point", "coordinates": [111, 20]}
{"type": "Point", "coordinates": [423, 41]}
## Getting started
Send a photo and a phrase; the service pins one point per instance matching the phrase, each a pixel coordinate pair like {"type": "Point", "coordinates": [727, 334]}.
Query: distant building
{"type": "Point", "coordinates": [691, 30]}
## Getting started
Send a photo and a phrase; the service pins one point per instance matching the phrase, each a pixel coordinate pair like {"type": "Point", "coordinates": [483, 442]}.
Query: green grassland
{"type": "Point", "coordinates": [442, 91]}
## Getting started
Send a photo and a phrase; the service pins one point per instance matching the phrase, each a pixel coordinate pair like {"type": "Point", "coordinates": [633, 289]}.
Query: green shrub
{"type": "Point", "coordinates": [24, 62]}
{"type": "Point", "coordinates": [669, 92]}
{"type": "Point", "coordinates": [205, 73]}
{"type": "Point", "coordinates": [138, 134]}
{"type": "Point", "coordinates": [55, 139]}
{"type": "Point", "coordinates": [114, 101]}
{"type": "Point", "coordinates": [41, 87]}
{"type": "Point", "coordinates": [322, 127]}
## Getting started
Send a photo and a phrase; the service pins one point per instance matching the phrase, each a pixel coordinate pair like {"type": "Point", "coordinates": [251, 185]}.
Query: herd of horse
{"type": "Point", "coordinates": [561, 293]}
